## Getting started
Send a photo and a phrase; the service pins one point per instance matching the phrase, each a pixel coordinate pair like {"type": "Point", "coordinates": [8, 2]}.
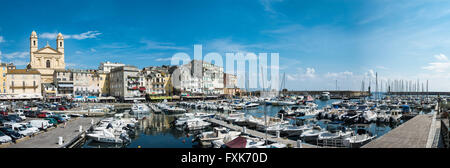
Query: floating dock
{"type": "Point", "coordinates": [418, 132]}
{"type": "Point", "coordinates": [49, 139]}
{"type": "Point", "coordinates": [260, 134]}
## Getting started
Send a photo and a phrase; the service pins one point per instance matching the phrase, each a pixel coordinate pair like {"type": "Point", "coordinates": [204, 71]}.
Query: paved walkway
{"type": "Point", "coordinates": [260, 134]}
{"type": "Point", "coordinates": [412, 134]}
{"type": "Point", "coordinates": [49, 139]}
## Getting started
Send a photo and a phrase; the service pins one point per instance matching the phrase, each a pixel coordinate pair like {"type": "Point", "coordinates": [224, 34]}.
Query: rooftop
{"type": "Point", "coordinates": [23, 71]}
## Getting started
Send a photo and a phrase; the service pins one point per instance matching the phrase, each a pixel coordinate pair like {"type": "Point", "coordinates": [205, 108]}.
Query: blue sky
{"type": "Point", "coordinates": [318, 41]}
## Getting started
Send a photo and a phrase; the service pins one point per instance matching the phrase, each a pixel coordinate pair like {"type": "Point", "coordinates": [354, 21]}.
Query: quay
{"type": "Point", "coordinates": [418, 132]}
{"type": "Point", "coordinates": [260, 134]}
{"type": "Point", "coordinates": [81, 112]}
{"type": "Point", "coordinates": [335, 94]}
{"type": "Point", "coordinates": [419, 93]}
{"type": "Point", "coordinates": [49, 139]}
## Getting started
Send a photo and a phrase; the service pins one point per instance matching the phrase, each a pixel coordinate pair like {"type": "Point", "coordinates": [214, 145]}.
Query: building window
{"type": "Point", "coordinates": [60, 44]}
{"type": "Point", "coordinates": [34, 43]}
{"type": "Point", "coordinates": [48, 63]}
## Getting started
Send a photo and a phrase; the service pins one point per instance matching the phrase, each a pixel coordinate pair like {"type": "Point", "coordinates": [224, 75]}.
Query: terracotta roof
{"type": "Point", "coordinates": [23, 71]}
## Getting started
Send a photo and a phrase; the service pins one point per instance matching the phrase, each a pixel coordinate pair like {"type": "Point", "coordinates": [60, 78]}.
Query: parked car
{"type": "Point", "coordinates": [65, 116]}
{"type": "Point", "coordinates": [14, 118]}
{"type": "Point", "coordinates": [61, 108]}
{"type": "Point", "coordinates": [3, 113]}
{"type": "Point", "coordinates": [42, 115]}
{"type": "Point", "coordinates": [4, 138]}
{"type": "Point", "coordinates": [41, 124]}
{"type": "Point", "coordinates": [31, 113]}
{"type": "Point", "coordinates": [18, 111]}
{"type": "Point", "coordinates": [52, 121]}
{"type": "Point", "coordinates": [22, 116]}
{"type": "Point", "coordinates": [30, 127]}
{"type": "Point", "coordinates": [13, 134]}
{"type": "Point", "coordinates": [58, 118]}
{"type": "Point", "coordinates": [2, 120]}
{"type": "Point", "coordinates": [22, 130]}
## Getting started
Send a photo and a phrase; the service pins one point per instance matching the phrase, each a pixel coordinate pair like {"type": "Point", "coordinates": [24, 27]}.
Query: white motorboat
{"type": "Point", "coordinates": [139, 109]}
{"type": "Point", "coordinates": [274, 128]}
{"type": "Point", "coordinates": [206, 138]}
{"type": "Point", "coordinates": [286, 111]}
{"type": "Point", "coordinates": [358, 140]}
{"type": "Point", "coordinates": [312, 134]}
{"type": "Point", "coordinates": [325, 96]}
{"type": "Point", "coordinates": [286, 103]}
{"type": "Point", "coordinates": [251, 105]}
{"type": "Point", "coordinates": [234, 116]}
{"type": "Point", "coordinates": [336, 135]}
{"type": "Point", "coordinates": [295, 130]}
{"type": "Point", "coordinates": [369, 116]}
{"type": "Point", "coordinates": [108, 136]}
{"type": "Point", "coordinates": [195, 125]}
{"type": "Point", "coordinates": [361, 138]}
{"type": "Point", "coordinates": [182, 121]}
{"type": "Point", "coordinates": [310, 109]}
{"type": "Point", "coordinates": [395, 115]}
{"type": "Point", "coordinates": [382, 116]}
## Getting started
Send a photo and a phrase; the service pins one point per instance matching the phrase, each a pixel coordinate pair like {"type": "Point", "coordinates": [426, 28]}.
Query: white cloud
{"type": "Point", "coordinates": [82, 36]}
{"type": "Point", "coordinates": [114, 46]}
{"type": "Point", "coordinates": [93, 50]}
{"type": "Point", "coordinates": [285, 29]}
{"type": "Point", "coordinates": [267, 4]}
{"type": "Point", "coordinates": [370, 73]}
{"type": "Point", "coordinates": [443, 64]}
{"type": "Point", "coordinates": [164, 59]}
{"type": "Point", "coordinates": [79, 66]}
{"type": "Point", "coordinates": [310, 72]}
{"type": "Point", "coordinates": [437, 66]}
{"type": "Point", "coordinates": [2, 39]}
{"type": "Point", "coordinates": [441, 57]}
{"type": "Point", "coordinates": [381, 67]}
{"type": "Point", "coordinates": [339, 74]}
{"type": "Point", "coordinates": [302, 74]}
{"type": "Point", "coordinates": [225, 45]}
{"type": "Point", "coordinates": [19, 62]}
{"type": "Point", "coordinates": [16, 55]}
{"type": "Point", "coordinates": [161, 45]}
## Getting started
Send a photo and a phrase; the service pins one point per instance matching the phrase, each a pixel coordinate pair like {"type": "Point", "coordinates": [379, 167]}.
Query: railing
{"type": "Point", "coordinates": [445, 133]}
{"type": "Point", "coordinates": [331, 142]}
{"type": "Point", "coordinates": [21, 87]}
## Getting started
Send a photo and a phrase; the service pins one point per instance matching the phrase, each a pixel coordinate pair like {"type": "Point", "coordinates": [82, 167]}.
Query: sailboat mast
{"type": "Point", "coordinates": [376, 85]}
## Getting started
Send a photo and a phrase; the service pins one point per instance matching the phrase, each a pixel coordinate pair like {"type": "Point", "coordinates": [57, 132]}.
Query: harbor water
{"type": "Point", "coordinates": [155, 130]}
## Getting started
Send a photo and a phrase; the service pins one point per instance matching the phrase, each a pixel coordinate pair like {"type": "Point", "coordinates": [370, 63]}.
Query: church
{"type": "Point", "coordinates": [47, 59]}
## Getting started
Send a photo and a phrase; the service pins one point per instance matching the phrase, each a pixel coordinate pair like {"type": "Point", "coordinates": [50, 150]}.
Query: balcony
{"type": "Point", "coordinates": [23, 87]}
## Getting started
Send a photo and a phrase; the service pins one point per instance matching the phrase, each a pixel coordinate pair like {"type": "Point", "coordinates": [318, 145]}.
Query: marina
{"type": "Point", "coordinates": [261, 123]}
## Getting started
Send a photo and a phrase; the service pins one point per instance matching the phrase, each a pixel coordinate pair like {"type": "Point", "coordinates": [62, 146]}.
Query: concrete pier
{"type": "Point", "coordinates": [50, 138]}
{"type": "Point", "coordinates": [418, 132]}
{"type": "Point", "coordinates": [260, 134]}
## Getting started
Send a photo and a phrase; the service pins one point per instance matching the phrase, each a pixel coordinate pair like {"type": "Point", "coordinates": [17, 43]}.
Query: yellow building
{"type": "Point", "coordinates": [3, 70]}
{"type": "Point", "coordinates": [103, 83]}
{"type": "Point", "coordinates": [23, 83]}
{"type": "Point", "coordinates": [168, 87]}
{"type": "Point", "coordinates": [46, 60]}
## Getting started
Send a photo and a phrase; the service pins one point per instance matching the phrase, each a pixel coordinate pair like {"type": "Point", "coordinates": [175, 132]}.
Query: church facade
{"type": "Point", "coordinates": [47, 59]}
